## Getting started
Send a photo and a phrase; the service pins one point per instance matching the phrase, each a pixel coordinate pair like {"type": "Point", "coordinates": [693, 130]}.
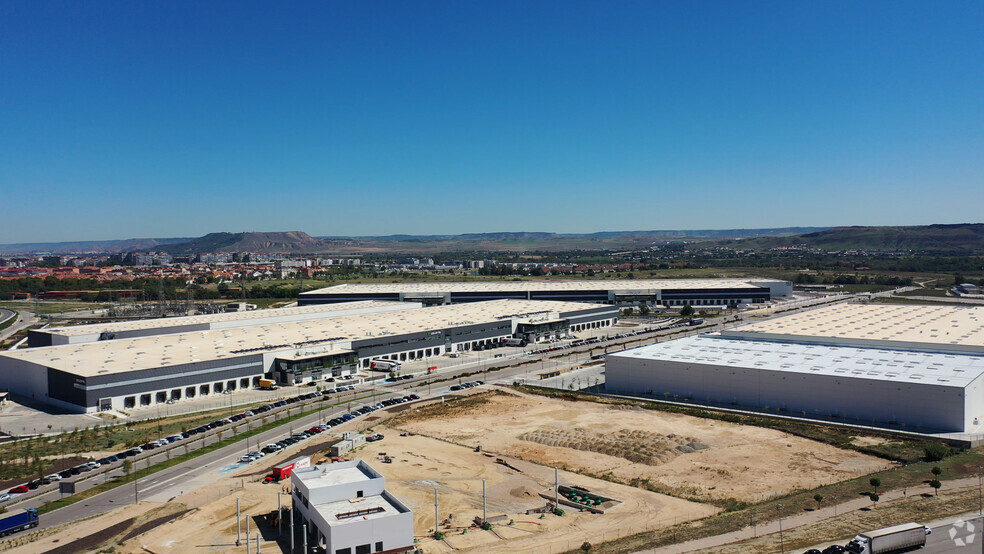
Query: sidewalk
{"type": "Point", "coordinates": [798, 520]}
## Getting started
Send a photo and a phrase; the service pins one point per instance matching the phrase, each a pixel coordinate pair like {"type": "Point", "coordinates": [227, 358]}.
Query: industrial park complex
{"type": "Point", "coordinates": [914, 367]}
{"type": "Point", "coordinates": [158, 364]}
{"type": "Point", "coordinates": [917, 368]}
{"type": "Point", "coordinates": [114, 366]}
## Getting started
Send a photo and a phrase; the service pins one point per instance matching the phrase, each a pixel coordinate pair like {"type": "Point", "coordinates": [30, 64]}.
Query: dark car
{"type": "Point", "coordinates": [34, 484]}
{"type": "Point", "coordinates": [834, 549]}
{"type": "Point", "coordinates": [813, 551]}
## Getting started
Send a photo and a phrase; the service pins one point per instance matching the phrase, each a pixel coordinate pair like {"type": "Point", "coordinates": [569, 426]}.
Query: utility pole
{"type": "Point", "coordinates": [556, 488]}
{"type": "Point", "coordinates": [485, 507]}
{"type": "Point", "coordinates": [782, 546]}
{"type": "Point", "coordinates": [247, 533]}
{"type": "Point", "coordinates": [437, 522]}
{"type": "Point", "coordinates": [239, 523]}
{"type": "Point", "coordinates": [280, 517]}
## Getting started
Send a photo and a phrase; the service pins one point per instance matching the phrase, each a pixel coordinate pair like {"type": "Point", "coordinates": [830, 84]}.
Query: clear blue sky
{"type": "Point", "coordinates": [141, 119]}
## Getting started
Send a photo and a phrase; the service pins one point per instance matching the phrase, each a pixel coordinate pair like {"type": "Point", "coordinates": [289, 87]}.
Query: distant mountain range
{"type": "Point", "coordinates": [957, 239]}
{"type": "Point", "coordinates": [967, 238]}
{"type": "Point", "coordinates": [298, 241]}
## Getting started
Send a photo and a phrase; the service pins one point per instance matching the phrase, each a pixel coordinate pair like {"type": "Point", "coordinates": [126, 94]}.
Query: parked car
{"type": "Point", "coordinates": [19, 489]}
{"type": "Point", "coordinates": [5, 497]}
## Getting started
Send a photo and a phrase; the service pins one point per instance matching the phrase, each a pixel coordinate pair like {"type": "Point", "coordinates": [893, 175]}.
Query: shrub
{"type": "Point", "coordinates": [936, 452]}
{"type": "Point", "coordinates": [585, 546]}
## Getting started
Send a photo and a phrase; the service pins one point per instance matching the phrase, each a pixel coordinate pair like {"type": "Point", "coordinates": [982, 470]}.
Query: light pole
{"type": "Point", "coordinates": [782, 546]}
{"type": "Point", "coordinates": [980, 490]}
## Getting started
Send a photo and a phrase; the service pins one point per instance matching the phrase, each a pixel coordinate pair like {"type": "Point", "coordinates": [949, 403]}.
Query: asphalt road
{"type": "Point", "coordinates": [962, 536]}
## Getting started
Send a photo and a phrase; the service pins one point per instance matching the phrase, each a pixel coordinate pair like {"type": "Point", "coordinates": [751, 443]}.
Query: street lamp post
{"type": "Point", "coordinates": [782, 546]}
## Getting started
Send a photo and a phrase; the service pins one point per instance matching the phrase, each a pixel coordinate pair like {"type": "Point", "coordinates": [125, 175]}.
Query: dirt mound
{"type": "Point", "coordinates": [634, 445]}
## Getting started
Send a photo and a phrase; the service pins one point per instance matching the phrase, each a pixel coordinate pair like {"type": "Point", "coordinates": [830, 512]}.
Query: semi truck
{"type": "Point", "coordinates": [899, 538]}
{"type": "Point", "coordinates": [283, 471]}
{"type": "Point", "coordinates": [12, 522]}
{"type": "Point", "coordinates": [268, 384]}
{"type": "Point", "coordinates": [513, 342]}
{"type": "Point", "coordinates": [385, 365]}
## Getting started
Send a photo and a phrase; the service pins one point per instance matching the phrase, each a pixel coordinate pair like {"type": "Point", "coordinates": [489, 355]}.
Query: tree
{"type": "Point", "coordinates": [935, 483]}
{"type": "Point", "coordinates": [936, 452]}
{"type": "Point", "coordinates": [819, 498]}
{"type": "Point", "coordinates": [687, 311]}
{"type": "Point", "coordinates": [875, 482]}
{"type": "Point", "coordinates": [936, 471]}
{"type": "Point", "coordinates": [874, 498]}
{"type": "Point", "coordinates": [585, 546]}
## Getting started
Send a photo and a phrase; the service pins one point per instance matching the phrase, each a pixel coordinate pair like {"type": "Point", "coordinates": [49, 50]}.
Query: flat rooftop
{"type": "Point", "coordinates": [304, 337]}
{"type": "Point", "coordinates": [329, 476]}
{"type": "Point", "coordinates": [620, 285]}
{"type": "Point", "coordinates": [357, 509]}
{"type": "Point", "coordinates": [931, 368]}
{"type": "Point", "coordinates": [946, 328]}
{"type": "Point", "coordinates": [243, 317]}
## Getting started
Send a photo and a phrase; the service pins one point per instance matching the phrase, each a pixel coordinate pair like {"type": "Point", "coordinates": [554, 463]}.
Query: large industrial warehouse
{"type": "Point", "coordinates": [141, 371]}
{"type": "Point", "coordinates": [917, 368]}
{"type": "Point", "coordinates": [657, 292]}
{"type": "Point", "coordinates": [51, 336]}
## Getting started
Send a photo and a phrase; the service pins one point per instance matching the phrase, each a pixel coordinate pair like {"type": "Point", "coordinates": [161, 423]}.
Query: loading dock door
{"type": "Point", "coordinates": [105, 404]}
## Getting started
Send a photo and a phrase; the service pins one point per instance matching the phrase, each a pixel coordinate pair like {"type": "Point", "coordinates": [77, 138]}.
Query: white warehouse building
{"type": "Point", "coordinates": [917, 368]}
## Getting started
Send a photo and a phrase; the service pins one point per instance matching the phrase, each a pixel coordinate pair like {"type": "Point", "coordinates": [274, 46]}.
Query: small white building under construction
{"type": "Point", "coordinates": [347, 510]}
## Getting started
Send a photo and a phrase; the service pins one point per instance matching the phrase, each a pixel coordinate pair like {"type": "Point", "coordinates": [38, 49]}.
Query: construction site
{"type": "Point", "coordinates": [543, 474]}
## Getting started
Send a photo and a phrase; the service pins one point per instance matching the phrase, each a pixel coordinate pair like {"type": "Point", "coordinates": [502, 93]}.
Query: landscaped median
{"type": "Point", "coordinates": [141, 473]}
{"type": "Point", "coordinates": [9, 321]}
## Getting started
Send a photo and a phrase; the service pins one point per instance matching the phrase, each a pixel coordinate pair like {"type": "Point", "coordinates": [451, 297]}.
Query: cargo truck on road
{"type": "Point", "coordinates": [283, 471]}
{"type": "Point", "coordinates": [900, 538]}
{"type": "Point", "coordinates": [12, 522]}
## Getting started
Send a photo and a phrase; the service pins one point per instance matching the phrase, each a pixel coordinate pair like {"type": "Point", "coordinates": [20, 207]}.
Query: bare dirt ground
{"type": "Point", "coordinates": [679, 454]}
{"type": "Point", "coordinates": [699, 458]}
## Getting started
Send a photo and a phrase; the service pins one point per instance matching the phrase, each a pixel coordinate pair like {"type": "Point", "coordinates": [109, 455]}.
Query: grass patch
{"type": "Point", "coordinates": [13, 319]}
{"type": "Point", "coordinates": [923, 292]}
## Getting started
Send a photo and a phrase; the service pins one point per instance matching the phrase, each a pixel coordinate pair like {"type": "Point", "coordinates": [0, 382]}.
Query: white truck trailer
{"type": "Point", "coordinates": [899, 538]}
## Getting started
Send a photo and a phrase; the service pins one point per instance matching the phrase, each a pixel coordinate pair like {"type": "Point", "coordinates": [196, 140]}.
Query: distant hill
{"type": "Point", "coordinates": [285, 242]}
{"type": "Point", "coordinates": [957, 239]}
{"type": "Point", "coordinates": [87, 247]}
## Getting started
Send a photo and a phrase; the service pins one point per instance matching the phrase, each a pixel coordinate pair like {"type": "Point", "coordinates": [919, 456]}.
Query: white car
{"type": "Point", "coordinates": [4, 497]}
{"type": "Point", "coordinates": [54, 477]}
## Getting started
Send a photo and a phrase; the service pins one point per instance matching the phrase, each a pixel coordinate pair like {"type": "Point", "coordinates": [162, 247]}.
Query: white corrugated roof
{"type": "Point", "coordinates": [866, 363]}
{"type": "Point", "coordinates": [243, 317]}
{"type": "Point", "coordinates": [620, 285]}
{"type": "Point", "coordinates": [902, 325]}
{"type": "Point", "coordinates": [131, 354]}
